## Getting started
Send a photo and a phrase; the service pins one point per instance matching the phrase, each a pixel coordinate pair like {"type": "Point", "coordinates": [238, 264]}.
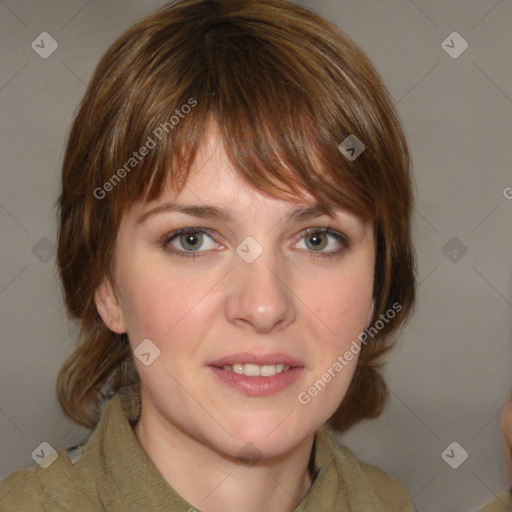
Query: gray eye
{"type": "Point", "coordinates": [316, 241]}
{"type": "Point", "coordinates": [191, 241]}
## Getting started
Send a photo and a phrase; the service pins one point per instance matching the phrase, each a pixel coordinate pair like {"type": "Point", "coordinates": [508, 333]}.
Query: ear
{"type": "Point", "coordinates": [109, 308]}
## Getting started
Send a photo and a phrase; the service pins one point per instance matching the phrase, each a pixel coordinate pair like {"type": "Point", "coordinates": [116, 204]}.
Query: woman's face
{"type": "Point", "coordinates": [256, 285]}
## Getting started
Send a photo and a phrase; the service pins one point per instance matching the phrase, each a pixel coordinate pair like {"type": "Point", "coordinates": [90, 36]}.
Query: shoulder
{"type": "Point", "coordinates": [21, 491]}
{"type": "Point", "coordinates": [384, 488]}
{"type": "Point", "coordinates": [76, 478]}
{"type": "Point", "coordinates": [390, 491]}
{"type": "Point", "coordinates": [56, 487]}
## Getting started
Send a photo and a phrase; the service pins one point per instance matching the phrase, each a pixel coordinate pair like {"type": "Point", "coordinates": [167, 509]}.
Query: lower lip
{"type": "Point", "coordinates": [259, 386]}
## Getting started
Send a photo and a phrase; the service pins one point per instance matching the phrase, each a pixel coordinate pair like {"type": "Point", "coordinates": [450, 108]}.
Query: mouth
{"type": "Point", "coordinates": [257, 375]}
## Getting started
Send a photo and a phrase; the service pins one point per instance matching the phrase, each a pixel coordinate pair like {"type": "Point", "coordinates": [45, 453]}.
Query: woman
{"type": "Point", "coordinates": [235, 240]}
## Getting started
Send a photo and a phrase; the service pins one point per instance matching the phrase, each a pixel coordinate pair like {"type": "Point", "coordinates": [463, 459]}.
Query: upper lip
{"type": "Point", "coordinates": [259, 359]}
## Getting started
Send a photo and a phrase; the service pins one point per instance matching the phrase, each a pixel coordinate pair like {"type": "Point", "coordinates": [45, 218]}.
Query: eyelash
{"type": "Point", "coordinates": [340, 237]}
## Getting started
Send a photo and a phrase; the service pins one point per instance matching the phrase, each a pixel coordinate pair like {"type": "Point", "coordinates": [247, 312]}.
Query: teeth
{"type": "Point", "coordinates": [238, 368]}
{"type": "Point", "coordinates": [269, 370]}
{"type": "Point", "coordinates": [254, 370]}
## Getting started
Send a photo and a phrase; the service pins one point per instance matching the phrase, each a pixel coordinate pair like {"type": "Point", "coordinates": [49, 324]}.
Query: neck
{"type": "Point", "coordinates": [214, 482]}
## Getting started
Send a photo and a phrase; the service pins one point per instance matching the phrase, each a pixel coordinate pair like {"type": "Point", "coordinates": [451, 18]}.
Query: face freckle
{"type": "Point", "coordinates": [289, 304]}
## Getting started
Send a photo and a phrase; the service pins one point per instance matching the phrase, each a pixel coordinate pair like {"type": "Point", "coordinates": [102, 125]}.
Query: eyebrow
{"type": "Point", "coordinates": [297, 214]}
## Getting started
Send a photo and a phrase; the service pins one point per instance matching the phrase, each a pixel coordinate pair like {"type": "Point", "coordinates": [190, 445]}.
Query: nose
{"type": "Point", "coordinates": [259, 298]}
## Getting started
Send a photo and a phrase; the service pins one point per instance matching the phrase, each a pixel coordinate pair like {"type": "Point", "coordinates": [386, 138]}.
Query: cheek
{"type": "Point", "coordinates": [344, 306]}
{"type": "Point", "coordinates": [154, 302]}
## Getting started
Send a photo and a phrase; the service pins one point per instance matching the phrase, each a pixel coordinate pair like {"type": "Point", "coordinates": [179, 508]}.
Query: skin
{"type": "Point", "coordinates": [196, 310]}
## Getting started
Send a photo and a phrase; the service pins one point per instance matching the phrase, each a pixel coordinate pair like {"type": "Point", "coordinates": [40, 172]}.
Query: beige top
{"type": "Point", "coordinates": [111, 471]}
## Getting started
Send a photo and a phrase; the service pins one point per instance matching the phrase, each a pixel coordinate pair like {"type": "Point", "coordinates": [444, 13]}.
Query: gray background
{"type": "Point", "coordinates": [452, 372]}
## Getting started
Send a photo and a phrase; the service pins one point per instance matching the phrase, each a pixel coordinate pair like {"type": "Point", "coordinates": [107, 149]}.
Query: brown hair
{"type": "Point", "coordinates": [285, 88]}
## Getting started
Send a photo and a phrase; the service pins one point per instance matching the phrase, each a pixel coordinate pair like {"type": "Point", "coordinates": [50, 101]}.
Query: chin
{"type": "Point", "coordinates": [264, 440]}
{"type": "Point", "coordinates": [250, 451]}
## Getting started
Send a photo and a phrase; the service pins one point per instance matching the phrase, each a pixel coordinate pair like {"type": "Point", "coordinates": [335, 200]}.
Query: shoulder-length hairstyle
{"type": "Point", "coordinates": [286, 88]}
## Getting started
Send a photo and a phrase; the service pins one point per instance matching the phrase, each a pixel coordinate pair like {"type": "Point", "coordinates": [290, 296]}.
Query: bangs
{"type": "Point", "coordinates": [279, 119]}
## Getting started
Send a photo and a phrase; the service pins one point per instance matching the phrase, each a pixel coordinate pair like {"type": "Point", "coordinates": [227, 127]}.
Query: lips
{"type": "Point", "coordinates": [257, 375]}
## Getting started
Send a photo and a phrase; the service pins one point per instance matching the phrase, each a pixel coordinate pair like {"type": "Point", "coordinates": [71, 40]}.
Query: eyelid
{"type": "Point", "coordinates": [169, 237]}
{"type": "Point", "coordinates": [340, 236]}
